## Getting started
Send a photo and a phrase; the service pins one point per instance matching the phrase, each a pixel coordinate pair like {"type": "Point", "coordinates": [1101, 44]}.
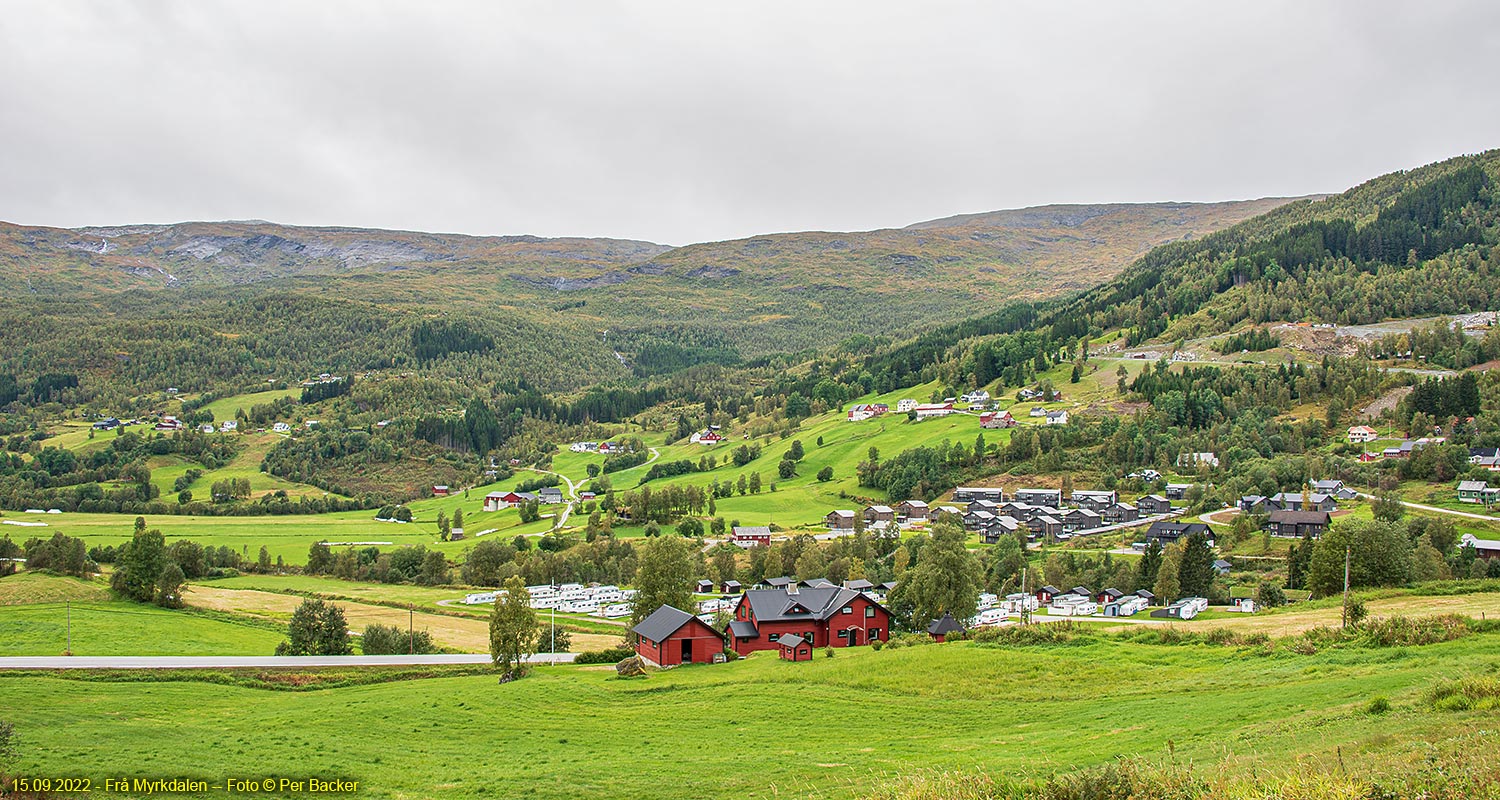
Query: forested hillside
{"type": "Point", "coordinates": [219, 306]}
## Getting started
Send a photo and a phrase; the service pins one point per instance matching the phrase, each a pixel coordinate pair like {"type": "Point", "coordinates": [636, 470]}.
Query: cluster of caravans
{"type": "Point", "coordinates": [994, 609]}
{"type": "Point", "coordinates": [610, 602]}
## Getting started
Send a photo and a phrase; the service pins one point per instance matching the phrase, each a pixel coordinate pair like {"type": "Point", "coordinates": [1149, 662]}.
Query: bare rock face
{"type": "Point", "coordinates": [631, 667]}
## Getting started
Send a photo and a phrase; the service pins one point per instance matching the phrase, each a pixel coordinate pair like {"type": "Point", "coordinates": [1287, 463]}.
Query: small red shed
{"type": "Point", "coordinates": [794, 647]}
{"type": "Point", "coordinates": [670, 637]}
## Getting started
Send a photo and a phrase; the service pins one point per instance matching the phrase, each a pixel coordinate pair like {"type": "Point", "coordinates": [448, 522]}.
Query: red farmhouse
{"type": "Point", "coordinates": [826, 616]}
{"type": "Point", "coordinates": [670, 637]}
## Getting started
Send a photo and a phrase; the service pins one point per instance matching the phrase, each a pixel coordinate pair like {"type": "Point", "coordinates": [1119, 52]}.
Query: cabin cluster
{"type": "Point", "coordinates": [607, 601]}
{"type": "Point", "coordinates": [496, 501]}
{"type": "Point", "coordinates": [989, 511]}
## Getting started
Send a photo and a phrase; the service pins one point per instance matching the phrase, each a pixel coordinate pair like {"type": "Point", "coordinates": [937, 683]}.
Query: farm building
{"type": "Point", "coordinates": [880, 515]}
{"type": "Point", "coordinates": [750, 536]}
{"type": "Point", "coordinates": [943, 627]}
{"type": "Point", "coordinates": [925, 410]}
{"type": "Point", "coordinates": [824, 616]}
{"type": "Point", "coordinates": [669, 637]}
{"type": "Point", "coordinates": [1483, 548]}
{"type": "Point", "coordinates": [996, 419]}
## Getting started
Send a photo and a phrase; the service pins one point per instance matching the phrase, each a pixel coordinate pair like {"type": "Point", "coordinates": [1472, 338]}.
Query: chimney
{"type": "Point", "coordinates": [791, 588]}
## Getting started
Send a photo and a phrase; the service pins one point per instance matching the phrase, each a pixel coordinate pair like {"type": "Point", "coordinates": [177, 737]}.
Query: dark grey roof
{"type": "Point", "coordinates": [735, 584]}
{"type": "Point", "coordinates": [782, 581]}
{"type": "Point", "coordinates": [858, 585]}
{"type": "Point", "coordinates": [944, 625]}
{"type": "Point", "coordinates": [1146, 593]}
{"type": "Point", "coordinates": [743, 629]}
{"type": "Point", "coordinates": [1049, 589]}
{"type": "Point", "coordinates": [1175, 530]}
{"type": "Point", "coordinates": [662, 623]}
{"type": "Point", "coordinates": [1299, 517]}
{"type": "Point", "coordinates": [818, 583]}
{"type": "Point", "coordinates": [815, 603]}
{"type": "Point", "coordinates": [1112, 593]}
{"type": "Point", "coordinates": [1222, 564]}
{"type": "Point", "coordinates": [790, 640]}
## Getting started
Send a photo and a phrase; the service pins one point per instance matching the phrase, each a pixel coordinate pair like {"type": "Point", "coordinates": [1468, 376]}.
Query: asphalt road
{"type": "Point", "coordinates": [254, 662]}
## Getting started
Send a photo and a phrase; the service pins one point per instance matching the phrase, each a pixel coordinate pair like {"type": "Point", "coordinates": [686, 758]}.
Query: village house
{"type": "Point", "coordinates": [840, 520]}
{"type": "Point", "coordinates": [1293, 501]}
{"type": "Point", "coordinates": [925, 410]}
{"type": "Point", "coordinates": [1192, 460]}
{"type": "Point", "coordinates": [1334, 488]}
{"type": "Point", "coordinates": [1297, 523]}
{"type": "Point", "coordinates": [998, 528]}
{"type": "Point", "coordinates": [748, 536]}
{"type": "Point", "coordinates": [1120, 513]}
{"type": "Point", "coordinates": [669, 637]}
{"type": "Point", "coordinates": [996, 419]}
{"type": "Point", "coordinates": [1052, 498]}
{"type": "Point", "coordinates": [1153, 504]}
{"type": "Point", "coordinates": [827, 616]}
{"type": "Point", "coordinates": [1177, 491]}
{"type": "Point", "coordinates": [964, 494]}
{"type": "Point", "coordinates": [440, 491]}
{"type": "Point", "coordinates": [905, 405]}
{"type": "Point", "coordinates": [1057, 417]}
{"type": "Point", "coordinates": [977, 520]}
{"type": "Point", "coordinates": [1037, 411]}
{"type": "Point", "coordinates": [1362, 434]}
{"type": "Point", "coordinates": [1045, 525]}
{"type": "Point", "coordinates": [1252, 504]}
{"type": "Point", "coordinates": [1081, 519]}
{"type": "Point", "coordinates": [1483, 548]}
{"type": "Point", "coordinates": [1094, 500]}
{"type": "Point", "coordinates": [280, 427]}
{"type": "Point", "coordinates": [1019, 510]}
{"type": "Point", "coordinates": [864, 411]}
{"type": "Point", "coordinates": [911, 511]}
{"type": "Point", "coordinates": [880, 516]}
{"type": "Point", "coordinates": [549, 495]}
{"type": "Point", "coordinates": [983, 505]}
{"type": "Point", "coordinates": [1222, 567]}
{"type": "Point", "coordinates": [1472, 491]}
{"type": "Point", "coordinates": [979, 396]}
{"type": "Point", "coordinates": [228, 426]}
{"type": "Point", "coordinates": [707, 438]}
{"type": "Point", "coordinates": [1169, 532]}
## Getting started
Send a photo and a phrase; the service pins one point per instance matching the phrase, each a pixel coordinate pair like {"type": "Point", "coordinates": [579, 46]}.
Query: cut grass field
{"type": "Point", "coordinates": [467, 634]}
{"type": "Point", "coordinates": [762, 727]}
{"type": "Point", "coordinates": [37, 612]}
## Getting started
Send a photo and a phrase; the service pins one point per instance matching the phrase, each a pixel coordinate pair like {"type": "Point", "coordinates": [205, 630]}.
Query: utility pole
{"type": "Point", "coordinates": [1347, 551]}
{"type": "Point", "coordinates": [1025, 609]}
{"type": "Point", "coordinates": [69, 651]}
{"type": "Point", "coordinates": [411, 634]}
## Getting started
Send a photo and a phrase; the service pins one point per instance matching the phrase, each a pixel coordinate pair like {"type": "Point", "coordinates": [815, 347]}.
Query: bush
{"type": "Point", "coordinates": [1474, 693]}
{"type": "Point", "coordinates": [877, 645]}
{"type": "Point", "coordinates": [1378, 705]}
{"type": "Point", "coordinates": [908, 640]}
{"type": "Point", "coordinates": [609, 655]}
{"type": "Point", "coordinates": [1026, 635]}
{"type": "Point", "coordinates": [388, 640]}
{"type": "Point", "coordinates": [828, 652]}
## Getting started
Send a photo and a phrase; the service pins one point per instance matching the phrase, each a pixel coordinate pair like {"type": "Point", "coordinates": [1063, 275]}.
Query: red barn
{"type": "Point", "coordinates": [670, 637]}
{"type": "Point", "coordinates": [824, 616]}
{"type": "Point", "coordinates": [793, 648]}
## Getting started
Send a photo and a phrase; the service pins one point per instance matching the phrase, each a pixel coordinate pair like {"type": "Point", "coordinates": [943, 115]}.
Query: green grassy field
{"type": "Point", "coordinates": [35, 621]}
{"type": "Point", "coordinates": [762, 727]}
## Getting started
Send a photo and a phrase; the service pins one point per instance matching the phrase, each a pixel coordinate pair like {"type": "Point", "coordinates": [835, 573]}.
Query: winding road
{"type": "Point", "coordinates": [1437, 510]}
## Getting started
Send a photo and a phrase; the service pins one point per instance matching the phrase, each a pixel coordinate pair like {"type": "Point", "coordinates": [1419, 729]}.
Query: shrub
{"type": "Point", "coordinates": [877, 645]}
{"type": "Point", "coordinates": [609, 655]}
{"type": "Point", "coordinates": [1027, 635]}
{"type": "Point", "coordinates": [1378, 705]}
{"type": "Point", "coordinates": [1474, 693]}
{"type": "Point", "coordinates": [828, 652]}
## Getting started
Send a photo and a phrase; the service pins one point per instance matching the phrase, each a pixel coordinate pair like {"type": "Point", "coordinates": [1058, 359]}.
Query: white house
{"type": "Point", "coordinates": [905, 405]}
{"type": "Point", "coordinates": [1360, 434]}
{"type": "Point", "coordinates": [281, 427]}
{"type": "Point", "coordinates": [1057, 417]}
{"type": "Point", "coordinates": [228, 425]}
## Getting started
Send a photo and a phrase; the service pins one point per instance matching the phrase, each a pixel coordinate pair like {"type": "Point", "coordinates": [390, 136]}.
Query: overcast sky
{"type": "Point", "coordinates": [692, 121]}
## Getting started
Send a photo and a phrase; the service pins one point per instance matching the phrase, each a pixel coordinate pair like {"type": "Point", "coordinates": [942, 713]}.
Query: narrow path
{"type": "Point", "coordinates": [560, 519]}
{"type": "Point", "coordinates": [1437, 510]}
{"type": "Point", "coordinates": [1209, 516]}
{"type": "Point", "coordinates": [257, 662]}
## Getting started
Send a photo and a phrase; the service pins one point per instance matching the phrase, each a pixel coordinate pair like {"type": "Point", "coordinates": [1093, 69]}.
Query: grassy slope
{"type": "Point", "coordinates": [830, 728]}
{"type": "Point", "coordinates": [34, 621]}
